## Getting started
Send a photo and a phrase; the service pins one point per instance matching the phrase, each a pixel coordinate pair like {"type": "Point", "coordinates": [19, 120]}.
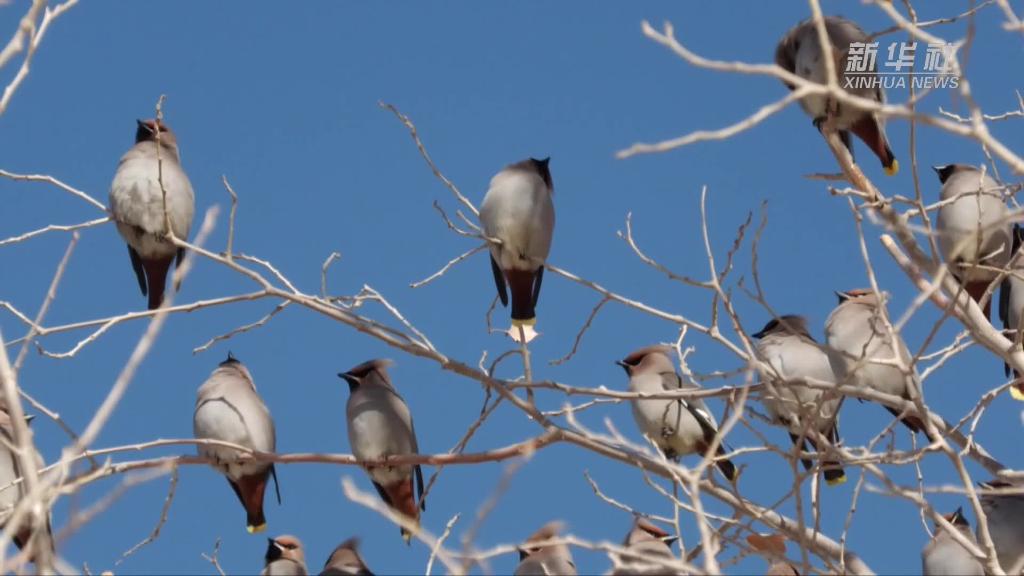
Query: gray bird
{"type": "Point", "coordinates": [1005, 513]}
{"type": "Point", "coordinates": [679, 427]}
{"type": "Point", "coordinates": [10, 471]}
{"type": "Point", "coordinates": [346, 561]}
{"type": "Point", "coordinates": [229, 409]}
{"type": "Point", "coordinates": [284, 557]}
{"type": "Point", "coordinates": [380, 426]}
{"type": "Point", "coordinates": [973, 228]}
{"type": "Point", "coordinates": [652, 544]}
{"type": "Point", "coordinates": [799, 52]}
{"type": "Point", "coordinates": [542, 560]}
{"type": "Point", "coordinates": [1011, 305]}
{"type": "Point", "coordinates": [788, 347]}
{"type": "Point", "coordinates": [773, 548]}
{"type": "Point", "coordinates": [137, 205]}
{"type": "Point", "coordinates": [858, 343]}
{"type": "Point", "coordinates": [944, 556]}
{"type": "Point", "coordinates": [519, 213]}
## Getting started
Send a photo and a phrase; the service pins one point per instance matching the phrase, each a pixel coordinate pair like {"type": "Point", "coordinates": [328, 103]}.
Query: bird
{"type": "Point", "coordinates": [379, 426]}
{"type": "Point", "coordinates": [1004, 513]}
{"type": "Point", "coordinates": [680, 426]}
{"type": "Point", "coordinates": [859, 343]}
{"type": "Point", "coordinates": [652, 544]}
{"type": "Point", "coordinates": [973, 228]}
{"type": "Point", "coordinates": [229, 409]}
{"type": "Point", "coordinates": [284, 557]}
{"type": "Point", "coordinates": [787, 346]}
{"type": "Point", "coordinates": [346, 561]}
{"type": "Point", "coordinates": [1011, 306]}
{"type": "Point", "coordinates": [541, 560]}
{"type": "Point", "coordinates": [10, 471]}
{"type": "Point", "coordinates": [799, 52]}
{"type": "Point", "coordinates": [773, 548]}
{"type": "Point", "coordinates": [944, 556]}
{"type": "Point", "coordinates": [518, 219]}
{"type": "Point", "coordinates": [144, 174]}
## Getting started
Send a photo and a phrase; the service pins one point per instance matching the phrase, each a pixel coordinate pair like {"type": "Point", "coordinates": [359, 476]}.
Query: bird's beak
{"type": "Point", "coordinates": [670, 540]}
{"type": "Point", "coordinates": [758, 335]}
{"type": "Point", "coordinates": [29, 418]}
{"type": "Point", "coordinates": [142, 124]}
{"type": "Point", "coordinates": [624, 366]}
{"type": "Point", "coordinates": [843, 296]}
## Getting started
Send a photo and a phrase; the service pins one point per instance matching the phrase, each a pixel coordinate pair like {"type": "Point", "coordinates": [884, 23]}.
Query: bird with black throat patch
{"type": "Point", "coordinates": [678, 426]}
{"type": "Point", "coordinates": [518, 218]}
{"type": "Point", "coordinates": [380, 426]}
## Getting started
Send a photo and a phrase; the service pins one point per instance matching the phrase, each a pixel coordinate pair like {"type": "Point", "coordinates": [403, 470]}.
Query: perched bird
{"type": "Point", "coordinates": [973, 228]}
{"type": "Point", "coordinates": [284, 557]}
{"type": "Point", "coordinates": [542, 560]}
{"type": "Point", "coordinates": [859, 343]}
{"type": "Point", "coordinates": [137, 205]}
{"type": "Point", "coordinates": [346, 561]}
{"type": "Point", "coordinates": [788, 347]}
{"type": "Point", "coordinates": [653, 545]}
{"type": "Point", "coordinates": [679, 427]}
{"type": "Point", "coordinates": [380, 426]}
{"type": "Point", "coordinates": [10, 471]}
{"type": "Point", "coordinates": [799, 52]}
{"type": "Point", "coordinates": [944, 556]}
{"type": "Point", "coordinates": [1011, 306]}
{"type": "Point", "coordinates": [1005, 513]}
{"type": "Point", "coordinates": [518, 217]}
{"type": "Point", "coordinates": [229, 409]}
{"type": "Point", "coordinates": [773, 548]}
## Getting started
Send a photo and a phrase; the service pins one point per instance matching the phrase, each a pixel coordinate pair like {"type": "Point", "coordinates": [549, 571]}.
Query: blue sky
{"type": "Point", "coordinates": [283, 101]}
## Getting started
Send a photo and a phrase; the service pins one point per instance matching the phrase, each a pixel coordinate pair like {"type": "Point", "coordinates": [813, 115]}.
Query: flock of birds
{"type": "Point", "coordinates": [151, 193]}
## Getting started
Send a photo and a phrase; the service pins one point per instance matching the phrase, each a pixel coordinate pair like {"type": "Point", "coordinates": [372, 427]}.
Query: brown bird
{"type": "Point", "coordinates": [346, 561]}
{"type": "Point", "coordinates": [654, 546]}
{"type": "Point", "coordinates": [861, 351]}
{"type": "Point", "coordinates": [284, 557]}
{"type": "Point", "coordinates": [228, 408]}
{"type": "Point", "coordinates": [679, 427]}
{"type": "Point", "coordinates": [137, 200]}
{"type": "Point", "coordinates": [799, 52]}
{"type": "Point", "coordinates": [379, 426]}
{"type": "Point", "coordinates": [541, 560]}
{"type": "Point", "coordinates": [786, 345]}
{"type": "Point", "coordinates": [973, 227]}
{"type": "Point", "coordinates": [518, 212]}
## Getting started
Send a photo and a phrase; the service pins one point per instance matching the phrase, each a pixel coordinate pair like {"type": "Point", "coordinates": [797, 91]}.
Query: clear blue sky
{"type": "Point", "coordinates": [283, 100]}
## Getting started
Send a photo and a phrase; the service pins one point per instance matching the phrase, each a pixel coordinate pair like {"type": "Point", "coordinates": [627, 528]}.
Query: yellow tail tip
{"type": "Point", "coordinates": [1016, 392]}
{"type": "Point", "coordinates": [892, 169]}
{"type": "Point", "coordinates": [836, 481]}
{"type": "Point", "coordinates": [256, 529]}
{"type": "Point", "coordinates": [528, 322]}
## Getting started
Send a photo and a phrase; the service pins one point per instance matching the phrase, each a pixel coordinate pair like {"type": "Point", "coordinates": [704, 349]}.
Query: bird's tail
{"type": "Point", "coordinates": [250, 491]}
{"type": "Point", "coordinates": [521, 284]}
{"type": "Point", "coordinates": [977, 291]}
{"type": "Point", "coordinates": [870, 131]}
{"type": "Point", "coordinates": [156, 279]}
{"type": "Point", "coordinates": [403, 499]}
